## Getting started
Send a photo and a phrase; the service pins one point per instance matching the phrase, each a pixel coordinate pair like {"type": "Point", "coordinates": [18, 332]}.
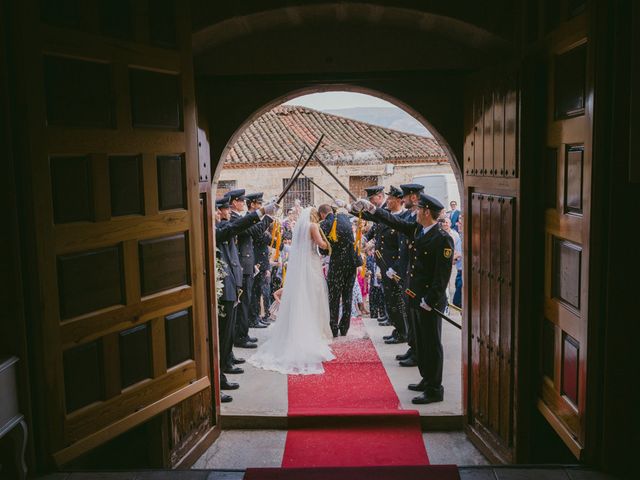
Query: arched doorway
{"type": "Point", "coordinates": [254, 171]}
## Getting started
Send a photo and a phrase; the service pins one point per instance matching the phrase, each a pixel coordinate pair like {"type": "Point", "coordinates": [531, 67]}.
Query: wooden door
{"type": "Point", "coordinates": [567, 165]}
{"type": "Point", "coordinates": [357, 184]}
{"type": "Point", "coordinates": [492, 206]}
{"type": "Point", "coordinates": [110, 175]}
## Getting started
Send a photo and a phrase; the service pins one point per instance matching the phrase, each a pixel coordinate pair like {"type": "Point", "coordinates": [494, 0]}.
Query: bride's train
{"type": "Point", "coordinates": [299, 339]}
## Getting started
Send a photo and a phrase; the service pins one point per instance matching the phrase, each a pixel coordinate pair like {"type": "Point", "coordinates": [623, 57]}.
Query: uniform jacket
{"type": "Point", "coordinates": [430, 260]}
{"type": "Point", "coordinates": [387, 241]}
{"type": "Point", "coordinates": [406, 246]}
{"type": "Point", "coordinates": [226, 242]}
{"type": "Point", "coordinates": [342, 251]}
{"type": "Point", "coordinates": [245, 242]}
{"type": "Point", "coordinates": [261, 244]}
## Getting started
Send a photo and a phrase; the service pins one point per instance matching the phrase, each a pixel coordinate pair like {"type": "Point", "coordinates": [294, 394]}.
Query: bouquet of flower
{"type": "Point", "coordinates": [221, 272]}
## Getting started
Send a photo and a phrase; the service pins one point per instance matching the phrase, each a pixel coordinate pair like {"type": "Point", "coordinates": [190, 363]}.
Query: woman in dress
{"type": "Point", "coordinates": [299, 340]}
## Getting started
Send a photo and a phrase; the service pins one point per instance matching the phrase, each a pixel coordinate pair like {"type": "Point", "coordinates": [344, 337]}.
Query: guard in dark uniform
{"type": "Point", "coordinates": [411, 195]}
{"type": "Point", "coordinates": [226, 232]}
{"type": "Point", "coordinates": [430, 266]}
{"type": "Point", "coordinates": [261, 241]}
{"type": "Point", "coordinates": [376, 196]}
{"type": "Point", "coordinates": [247, 261]}
{"type": "Point", "coordinates": [387, 255]}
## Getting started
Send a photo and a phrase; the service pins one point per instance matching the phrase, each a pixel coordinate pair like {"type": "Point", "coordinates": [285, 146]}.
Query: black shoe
{"type": "Point", "coordinates": [250, 339]}
{"type": "Point", "coordinates": [383, 320]}
{"type": "Point", "coordinates": [229, 386]}
{"type": "Point", "coordinates": [245, 345]}
{"type": "Point", "coordinates": [394, 340]}
{"type": "Point", "coordinates": [257, 325]}
{"type": "Point", "coordinates": [394, 334]}
{"type": "Point", "coordinates": [385, 324]}
{"type": "Point", "coordinates": [417, 387]}
{"type": "Point", "coordinates": [405, 355]}
{"type": "Point", "coordinates": [262, 322]}
{"type": "Point", "coordinates": [426, 398]}
{"type": "Point", "coordinates": [233, 370]}
{"type": "Point", "coordinates": [224, 398]}
{"type": "Point", "coordinates": [409, 362]}
{"type": "Point", "coordinates": [237, 361]}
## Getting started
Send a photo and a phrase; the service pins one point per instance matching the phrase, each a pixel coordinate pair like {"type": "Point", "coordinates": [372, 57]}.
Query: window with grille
{"type": "Point", "coordinates": [224, 186]}
{"type": "Point", "coordinates": [301, 190]}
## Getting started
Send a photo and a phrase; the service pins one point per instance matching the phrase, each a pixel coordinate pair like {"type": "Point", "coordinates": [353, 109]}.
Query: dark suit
{"type": "Point", "coordinates": [430, 266]}
{"type": "Point", "coordinates": [261, 283]}
{"type": "Point", "coordinates": [406, 249]}
{"type": "Point", "coordinates": [454, 216]}
{"type": "Point", "coordinates": [226, 232]}
{"type": "Point", "coordinates": [387, 245]}
{"type": "Point", "coordinates": [248, 262]}
{"type": "Point", "coordinates": [342, 272]}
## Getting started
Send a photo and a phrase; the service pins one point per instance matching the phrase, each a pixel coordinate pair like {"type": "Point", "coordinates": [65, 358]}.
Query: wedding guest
{"type": "Point", "coordinates": [363, 282]}
{"type": "Point", "coordinates": [453, 214]}
{"type": "Point", "coordinates": [376, 306]}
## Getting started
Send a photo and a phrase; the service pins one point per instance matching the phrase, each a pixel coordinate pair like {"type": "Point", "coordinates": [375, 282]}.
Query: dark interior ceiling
{"type": "Point", "coordinates": [311, 37]}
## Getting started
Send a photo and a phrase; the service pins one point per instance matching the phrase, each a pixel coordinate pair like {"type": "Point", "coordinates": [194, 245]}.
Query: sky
{"type": "Point", "coordinates": [343, 103]}
{"type": "Point", "coordinates": [334, 100]}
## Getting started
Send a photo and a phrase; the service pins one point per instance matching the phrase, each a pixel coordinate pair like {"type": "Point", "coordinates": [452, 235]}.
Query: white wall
{"type": "Point", "coordinates": [269, 180]}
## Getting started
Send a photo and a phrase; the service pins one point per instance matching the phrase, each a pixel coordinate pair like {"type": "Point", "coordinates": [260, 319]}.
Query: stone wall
{"type": "Point", "coordinates": [269, 180]}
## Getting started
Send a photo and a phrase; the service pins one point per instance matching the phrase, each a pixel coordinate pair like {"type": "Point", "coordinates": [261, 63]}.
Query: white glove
{"type": "Point", "coordinates": [424, 305]}
{"type": "Point", "coordinates": [341, 203]}
{"type": "Point", "coordinates": [271, 208]}
{"type": "Point", "coordinates": [363, 204]}
{"type": "Point", "coordinates": [391, 273]}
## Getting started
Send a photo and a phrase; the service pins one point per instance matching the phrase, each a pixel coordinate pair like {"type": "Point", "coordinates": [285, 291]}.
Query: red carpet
{"type": "Point", "coordinates": [350, 416]}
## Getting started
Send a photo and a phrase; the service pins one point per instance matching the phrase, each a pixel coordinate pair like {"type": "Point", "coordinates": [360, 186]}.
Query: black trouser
{"type": "Point", "coordinates": [243, 316]}
{"type": "Point", "coordinates": [340, 282]}
{"type": "Point", "coordinates": [429, 348]}
{"type": "Point", "coordinates": [225, 333]}
{"type": "Point", "coordinates": [260, 285]}
{"type": "Point", "coordinates": [376, 307]}
{"type": "Point", "coordinates": [411, 324]}
{"type": "Point", "coordinates": [393, 293]}
{"type": "Point", "coordinates": [266, 293]}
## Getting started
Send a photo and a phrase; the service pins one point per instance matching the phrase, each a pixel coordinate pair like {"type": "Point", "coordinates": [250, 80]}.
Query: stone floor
{"type": "Point", "coordinates": [466, 473]}
{"type": "Point", "coordinates": [264, 393]}
{"type": "Point", "coordinates": [240, 449]}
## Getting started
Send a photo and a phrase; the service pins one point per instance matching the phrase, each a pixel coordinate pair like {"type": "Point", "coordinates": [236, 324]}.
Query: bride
{"type": "Point", "coordinates": [299, 340]}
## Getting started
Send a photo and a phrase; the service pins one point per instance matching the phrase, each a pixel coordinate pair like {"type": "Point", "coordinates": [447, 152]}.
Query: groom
{"type": "Point", "coordinates": [342, 267]}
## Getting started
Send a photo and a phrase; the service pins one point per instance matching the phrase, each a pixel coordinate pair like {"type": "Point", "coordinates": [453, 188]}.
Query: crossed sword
{"type": "Point", "coordinates": [298, 172]}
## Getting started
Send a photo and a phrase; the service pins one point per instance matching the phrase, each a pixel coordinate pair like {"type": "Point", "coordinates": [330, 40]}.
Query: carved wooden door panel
{"type": "Point", "coordinates": [490, 229]}
{"type": "Point", "coordinates": [564, 328]}
{"type": "Point", "coordinates": [111, 175]}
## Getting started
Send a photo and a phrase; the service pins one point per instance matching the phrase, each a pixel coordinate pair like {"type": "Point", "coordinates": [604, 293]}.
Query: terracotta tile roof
{"type": "Point", "coordinates": [277, 138]}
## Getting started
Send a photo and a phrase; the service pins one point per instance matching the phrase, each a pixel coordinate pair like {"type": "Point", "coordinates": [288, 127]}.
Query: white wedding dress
{"type": "Point", "coordinates": [299, 339]}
